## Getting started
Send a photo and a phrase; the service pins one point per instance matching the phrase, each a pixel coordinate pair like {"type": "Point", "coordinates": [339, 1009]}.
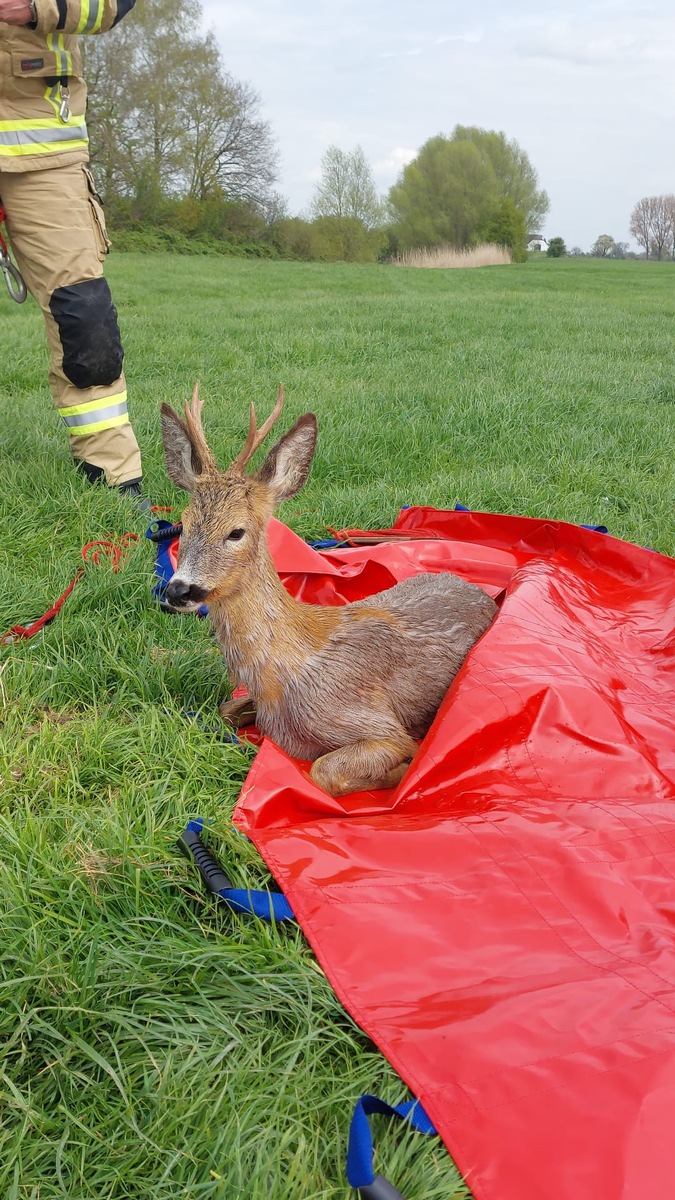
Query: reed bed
{"type": "Point", "coordinates": [447, 256]}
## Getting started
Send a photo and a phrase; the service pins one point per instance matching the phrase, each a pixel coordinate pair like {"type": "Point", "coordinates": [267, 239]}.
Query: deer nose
{"type": "Point", "coordinates": [177, 592]}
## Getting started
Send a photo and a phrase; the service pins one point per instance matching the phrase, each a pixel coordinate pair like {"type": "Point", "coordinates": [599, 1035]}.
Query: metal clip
{"type": "Point", "coordinates": [13, 277]}
{"type": "Point", "coordinates": [64, 107]}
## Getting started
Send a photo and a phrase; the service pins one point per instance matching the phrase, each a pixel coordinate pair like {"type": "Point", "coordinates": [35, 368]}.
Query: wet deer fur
{"type": "Point", "coordinates": [351, 687]}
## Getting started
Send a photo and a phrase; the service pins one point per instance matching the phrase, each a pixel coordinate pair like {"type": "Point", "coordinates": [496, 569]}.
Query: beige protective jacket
{"type": "Point", "coordinates": [42, 92]}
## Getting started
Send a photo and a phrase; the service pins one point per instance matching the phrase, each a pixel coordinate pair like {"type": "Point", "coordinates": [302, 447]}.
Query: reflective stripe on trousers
{"type": "Point", "coordinates": [96, 415]}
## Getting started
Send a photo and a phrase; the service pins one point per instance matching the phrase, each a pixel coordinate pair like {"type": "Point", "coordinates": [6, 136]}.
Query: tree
{"type": "Point", "coordinates": [444, 195]}
{"type": "Point", "coordinates": [660, 225]}
{"type": "Point", "coordinates": [274, 208]}
{"type": "Point", "coordinates": [460, 186]}
{"type": "Point", "coordinates": [669, 201]}
{"type": "Point", "coordinates": [557, 248]}
{"type": "Point", "coordinates": [347, 188]}
{"type": "Point", "coordinates": [640, 225]}
{"type": "Point", "coordinates": [516, 177]}
{"type": "Point", "coordinates": [652, 224]}
{"type": "Point", "coordinates": [603, 246]}
{"type": "Point", "coordinates": [165, 118]}
{"type": "Point", "coordinates": [505, 227]}
{"type": "Point", "coordinates": [227, 145]}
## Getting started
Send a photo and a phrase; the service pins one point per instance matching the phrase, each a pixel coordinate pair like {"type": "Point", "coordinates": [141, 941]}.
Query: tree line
{"type": "Point", "coordinates": [181, 154]}
{"type": "Point", "coordinates": [652, 224]}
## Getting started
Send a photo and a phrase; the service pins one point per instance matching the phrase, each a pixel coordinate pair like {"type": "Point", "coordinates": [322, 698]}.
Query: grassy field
{"type": "Point", "coordinates": [152, 1046]}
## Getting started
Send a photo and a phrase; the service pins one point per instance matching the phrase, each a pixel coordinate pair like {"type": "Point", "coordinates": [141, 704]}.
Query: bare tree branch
{"type": "Point", "coordinates": [166, 119]}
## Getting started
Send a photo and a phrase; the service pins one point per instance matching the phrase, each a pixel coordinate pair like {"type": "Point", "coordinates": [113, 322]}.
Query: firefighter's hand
{"type": "Point", "coordinates": [15, 12]}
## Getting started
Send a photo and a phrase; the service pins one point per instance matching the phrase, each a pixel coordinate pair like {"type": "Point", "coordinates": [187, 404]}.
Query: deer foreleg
{"type": "Point", "coordinates": [238, 713]}
{"type": "Point", "coordinates": [364, 766]}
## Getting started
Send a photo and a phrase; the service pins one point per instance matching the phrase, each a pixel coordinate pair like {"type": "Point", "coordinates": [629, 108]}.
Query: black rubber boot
{"type": "Point", "coordinates": [133, 490]}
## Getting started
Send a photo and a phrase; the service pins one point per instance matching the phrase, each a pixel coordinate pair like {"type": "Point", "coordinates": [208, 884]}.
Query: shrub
{"type": "Point", "coordinates": [557, 248]}
{"type": "Point", "coordinates": [144, 239]}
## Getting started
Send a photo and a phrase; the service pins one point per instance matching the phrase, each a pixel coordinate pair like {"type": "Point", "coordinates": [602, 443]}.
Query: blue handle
{"type": "Point", "coordinates": [269, 906]}
{"type": "Point", "coordinates": [360, 1153]}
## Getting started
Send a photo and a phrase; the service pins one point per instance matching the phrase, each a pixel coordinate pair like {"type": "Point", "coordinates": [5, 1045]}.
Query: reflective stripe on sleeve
{"type": "Point", "coordinates": [95, 16]}
{"type": "Point", "coordinates": [84, 16]}
{"type": "Point", "coordinates": [96, 415]}
{"type": "Point", "coordinates": [43, 135]}
{"type": "Point", "coordinates": [91, 15]}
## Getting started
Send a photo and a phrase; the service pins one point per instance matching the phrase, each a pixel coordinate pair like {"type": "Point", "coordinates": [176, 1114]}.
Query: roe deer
{"type": "Point", "coordinates": [347, 687]}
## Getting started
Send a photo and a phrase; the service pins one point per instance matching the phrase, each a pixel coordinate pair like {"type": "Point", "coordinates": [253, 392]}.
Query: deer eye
{"type": "Point", "coordinates": [236, 535]}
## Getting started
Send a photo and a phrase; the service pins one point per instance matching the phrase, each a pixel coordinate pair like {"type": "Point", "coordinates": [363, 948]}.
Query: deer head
{"type": "Point", "coordinates": [224, 524]}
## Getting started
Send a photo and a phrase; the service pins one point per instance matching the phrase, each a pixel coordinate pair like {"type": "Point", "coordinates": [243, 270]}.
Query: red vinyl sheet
{"type": "Point", "coordinates": [502, 924]}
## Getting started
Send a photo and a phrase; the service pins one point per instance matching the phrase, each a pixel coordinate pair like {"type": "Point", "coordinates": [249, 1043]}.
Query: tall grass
{"type": "Point", "coordinates": [152, 1046]}
{"type": "Point", "coordinates": [445, 257]}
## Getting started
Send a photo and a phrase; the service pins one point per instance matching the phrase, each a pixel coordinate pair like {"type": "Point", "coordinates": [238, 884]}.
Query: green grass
{"type": "Point", "coordinates": [152, 1046]}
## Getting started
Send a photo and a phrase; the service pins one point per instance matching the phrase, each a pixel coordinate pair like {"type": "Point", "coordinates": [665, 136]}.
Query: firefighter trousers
{"type": "Point", "coordinates": [58, 235]}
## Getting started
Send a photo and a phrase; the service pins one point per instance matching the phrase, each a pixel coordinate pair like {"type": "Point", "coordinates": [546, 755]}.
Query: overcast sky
{"type": "Point", "coordinates": [587, 89]}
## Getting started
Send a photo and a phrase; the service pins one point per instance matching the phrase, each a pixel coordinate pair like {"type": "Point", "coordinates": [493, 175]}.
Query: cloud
{"type": "Point", "coordinates": [280, 26]}
{"type": "Point", "coordinates": [427, 43]}
{"type": "Point", "coordinates": [562, 45]}
{"type": "Point", "coordinates": [441, 40]}
{"type": "Point", "coordinates": [397, 158]}
{"type": "Point", "coordinates": [399, 53]}
{"type": "Point", "coordinates": [598, 42]}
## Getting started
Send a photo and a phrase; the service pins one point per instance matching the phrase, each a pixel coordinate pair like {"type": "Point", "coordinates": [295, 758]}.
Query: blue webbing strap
{"type": "Point", "coordinates": [360, 1171]}
{"type": "Point", "coordinates": [270, 906]}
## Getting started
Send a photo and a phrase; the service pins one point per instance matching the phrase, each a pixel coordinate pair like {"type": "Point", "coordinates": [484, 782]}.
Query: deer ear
{"type": "Point", "coordinates": [183, 462]}
{"type": "Point", "coordinates": [286, 467]}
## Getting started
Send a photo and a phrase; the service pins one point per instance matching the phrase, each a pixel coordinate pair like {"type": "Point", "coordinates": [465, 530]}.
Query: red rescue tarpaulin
{"type": "Point", "coordinates": [502, 924]}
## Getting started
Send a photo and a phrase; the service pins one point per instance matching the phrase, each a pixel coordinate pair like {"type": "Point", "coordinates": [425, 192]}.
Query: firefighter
{"type": "Point", "coordinates": [57, 227]}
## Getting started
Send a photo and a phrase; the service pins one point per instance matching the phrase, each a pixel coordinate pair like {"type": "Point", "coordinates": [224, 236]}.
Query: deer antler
{"type": "Point", "coordinates": [193, 420]}
{"type": "Point", "coordinates": [255, 436]}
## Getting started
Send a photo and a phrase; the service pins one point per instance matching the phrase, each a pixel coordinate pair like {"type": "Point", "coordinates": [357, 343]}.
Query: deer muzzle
{"type": "Point", "coordinates": [181, 594]}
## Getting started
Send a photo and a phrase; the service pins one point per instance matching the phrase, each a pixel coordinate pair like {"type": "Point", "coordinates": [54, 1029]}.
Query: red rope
{"type": "Point", "coordinates": [360, 537]}
{"type": "Point", "coordinates": [3, 243]}
{"type": "Point", "coordinates": [340, 535]}
{"type": "Point", "coordinates": [92, 552]}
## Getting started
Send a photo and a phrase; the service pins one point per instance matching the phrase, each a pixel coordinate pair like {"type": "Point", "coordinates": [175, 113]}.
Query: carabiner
{"type": "Point", "coordinates": [13, 278]}
{"type": "Point", "coordinates": [64, 107]}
